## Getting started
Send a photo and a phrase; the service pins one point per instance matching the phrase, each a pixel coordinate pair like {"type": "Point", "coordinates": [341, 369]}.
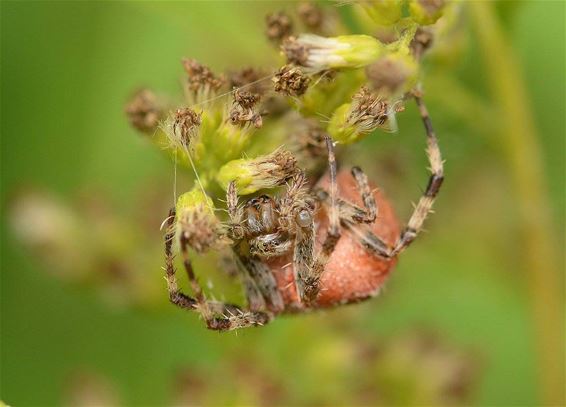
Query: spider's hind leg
{"type": "Point", "coordinates": [217, 315]}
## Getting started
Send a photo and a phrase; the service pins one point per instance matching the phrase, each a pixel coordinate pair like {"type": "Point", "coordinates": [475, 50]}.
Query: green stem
{"type": "Point", "coordinates": [520, 143]}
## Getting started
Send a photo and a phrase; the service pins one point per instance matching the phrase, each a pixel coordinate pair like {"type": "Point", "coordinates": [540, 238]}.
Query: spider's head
{"type": "Point", "coordinates": [261, 215]}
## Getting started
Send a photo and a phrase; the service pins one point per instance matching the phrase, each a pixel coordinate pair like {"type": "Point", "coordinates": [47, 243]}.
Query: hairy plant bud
{"type": "Point", "coordinates": [182, 127]}
{"type": "Point", "coordinates": [196, 223]}
{"type": "Point", "coordinates": [251, 175]}
{"type": "Point", "coordinates": [367, 112]}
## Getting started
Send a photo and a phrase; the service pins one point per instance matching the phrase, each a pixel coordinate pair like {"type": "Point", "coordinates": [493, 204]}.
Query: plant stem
{"type": "Point", "coordinates": [520, 144]}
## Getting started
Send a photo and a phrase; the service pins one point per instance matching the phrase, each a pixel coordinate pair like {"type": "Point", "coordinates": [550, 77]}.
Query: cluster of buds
{"type": "Point", "coordinates": [254, 130]}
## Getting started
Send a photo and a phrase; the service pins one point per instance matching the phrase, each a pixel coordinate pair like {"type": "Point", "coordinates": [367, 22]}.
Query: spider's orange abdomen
{"type": "Point", "coordinates": [352, 273]}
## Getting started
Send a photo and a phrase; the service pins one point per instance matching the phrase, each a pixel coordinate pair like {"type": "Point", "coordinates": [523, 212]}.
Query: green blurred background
{"type": "Point", "coordinates": [67, 70]}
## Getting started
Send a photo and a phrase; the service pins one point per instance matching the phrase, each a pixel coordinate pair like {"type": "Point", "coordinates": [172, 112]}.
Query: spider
{"type": "Point", "coordinates": [308, 248]}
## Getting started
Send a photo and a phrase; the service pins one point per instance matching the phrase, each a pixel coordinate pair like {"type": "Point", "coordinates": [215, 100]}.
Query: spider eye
{"type": "Point", "coordinates": [304, 218]}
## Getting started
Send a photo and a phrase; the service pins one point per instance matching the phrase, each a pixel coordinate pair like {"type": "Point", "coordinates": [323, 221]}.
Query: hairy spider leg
{"type": "Point", "coordinates": [259, 283]}
{"type": "Point", "coordinates": [228, 316]}
{"type": "Point", "coordinates": [351, 217]}
{"type": "Point", "coordinates": [309, 268]}
{"type": "Point", "coordinates": [354, 218]}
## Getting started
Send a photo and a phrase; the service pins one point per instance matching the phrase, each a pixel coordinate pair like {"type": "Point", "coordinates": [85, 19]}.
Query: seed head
{"type": "Point", "coordinates": [291, 80]}
{"type": "Point", "coordinates": [144, 111]}
{"type": "Point", "coordinates": [279, 26]}
{"type": "Point", "coordinates": [182, 127]}
{"type": "Point", "coordinates": [200, 76]}
{"type": "Point", "coordinates": [242, 111]}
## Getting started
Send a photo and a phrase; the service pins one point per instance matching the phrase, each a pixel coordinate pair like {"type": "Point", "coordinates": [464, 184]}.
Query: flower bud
{"type": "Point", "coordinates": [367, 112]}
{"type": "Point", "coordinates": [182, 128]}
{"type": "Point", "coordinates": [196, 223]}
{"type": "Point", "coordinates": [320, 53]}
{"type": "Point", "coordinates": [426, 12]}
{"type": "Point", "coordinates": [251, 175]}
{"type": "Point", "coordinates": [383, 12]}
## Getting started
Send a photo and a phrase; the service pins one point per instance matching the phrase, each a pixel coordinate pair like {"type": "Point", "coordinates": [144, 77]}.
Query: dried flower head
{"type": "Point", "coordinates": [200, 77]}
{"type": "Point", "coordinates": [242, 111]}
{"type": "Point", "coordinates": [143, 111]}
{"type": "Point", "coordinates": [311, 15]}
{"type": "Point", "coordinates": [367, 112]}
{"type": "Point", "coordinates": [182, 127]}
{"type": "Point", "coordinates": [278, 26]}
{"type": "Point", "coordinates": [250, 78]}
{"type": "Point", "coordinates": [291, 80]}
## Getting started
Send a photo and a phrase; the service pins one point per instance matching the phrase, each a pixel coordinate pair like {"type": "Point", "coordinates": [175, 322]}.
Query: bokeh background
{"type": "Point", "coordinates": [472, 315]}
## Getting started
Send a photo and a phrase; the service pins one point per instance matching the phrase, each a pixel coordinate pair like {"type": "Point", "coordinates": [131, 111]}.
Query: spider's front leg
{"type": "Point", "coordinates": [259, 283]}
{"type": "Point", "coordinates": [308, 266]}
{"type": "Point", "coordinates": [217, 315]}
